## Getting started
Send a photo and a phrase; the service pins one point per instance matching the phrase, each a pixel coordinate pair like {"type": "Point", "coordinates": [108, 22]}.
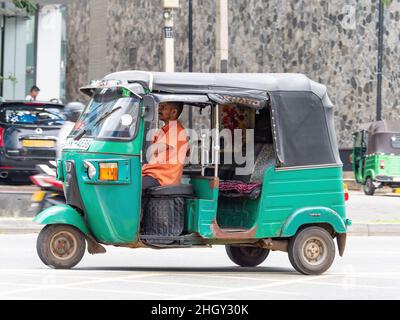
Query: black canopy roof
{"type": "Point", "coordinates": [382, 136]}
{"type": "Point", "coordinates": [302, 113]}
{"type": "Point", "coordinates": [254, 85]}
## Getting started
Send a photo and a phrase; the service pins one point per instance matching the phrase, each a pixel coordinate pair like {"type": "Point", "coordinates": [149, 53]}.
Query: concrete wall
{"type": "Point", "coordinates": [334, 43]}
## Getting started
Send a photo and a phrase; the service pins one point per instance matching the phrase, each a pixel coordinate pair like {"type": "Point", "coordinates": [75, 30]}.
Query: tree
{"type": "Point", "coordinates": [27, 5]}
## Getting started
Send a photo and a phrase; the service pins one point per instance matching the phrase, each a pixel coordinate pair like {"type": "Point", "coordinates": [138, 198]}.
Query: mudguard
{"type": "Point", "coordinates": [312, 216]}
{"type": "Point", "coordinates": [62, 214]}
{"type": "Point", "coordinates": [369, 173]}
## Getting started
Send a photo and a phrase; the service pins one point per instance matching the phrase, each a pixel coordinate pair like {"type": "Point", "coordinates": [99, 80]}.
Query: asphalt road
{"type": "Point", "coordinates": [369, 270]}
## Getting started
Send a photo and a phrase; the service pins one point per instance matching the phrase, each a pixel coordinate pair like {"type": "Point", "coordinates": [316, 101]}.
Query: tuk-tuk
{"type": "Point", "coordinates": [290, 198]}
{"type": "Point", "coordinates": [376, 155]}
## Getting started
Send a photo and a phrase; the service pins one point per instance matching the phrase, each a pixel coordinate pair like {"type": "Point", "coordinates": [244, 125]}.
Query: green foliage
{"type": "Point", "coordinates": [10, 77]}
{"type": "Point", "coordinates": [387, 2]}
{"type": "Point", "coordinates": [27, 5]}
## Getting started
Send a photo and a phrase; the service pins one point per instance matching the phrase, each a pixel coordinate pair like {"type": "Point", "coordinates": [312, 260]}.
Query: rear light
{"type": "Point", "coordinates": [108, 171]}
{"type": "Point", "coordinates": [346, 192]}
{"type": "Point", "coordinates": [351, 158]}
{"type": "Point", "coordinates": [382, 164]}
{"type": "Point", "coordinates": [1, 137]}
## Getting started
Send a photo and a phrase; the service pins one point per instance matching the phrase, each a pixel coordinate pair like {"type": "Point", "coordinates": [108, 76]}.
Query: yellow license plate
{"type": "Point", "coordinates": [38, 143]}
{"type": "Point", "coordinates": [38, 196]}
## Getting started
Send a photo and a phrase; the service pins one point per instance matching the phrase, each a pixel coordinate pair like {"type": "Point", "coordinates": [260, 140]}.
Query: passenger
{"type": "Point", "coordinates": [168, 150]}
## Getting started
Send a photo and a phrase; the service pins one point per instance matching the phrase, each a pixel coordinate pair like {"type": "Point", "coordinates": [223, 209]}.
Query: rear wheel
{"type": "Point", "coordinates": [369, 188]}
{"type": "Point", "coordinates": [311, 251]}
{"type": "Point", "coordinates": [246, 256]}
{"type": "Point", "coordinates": [60, 246]}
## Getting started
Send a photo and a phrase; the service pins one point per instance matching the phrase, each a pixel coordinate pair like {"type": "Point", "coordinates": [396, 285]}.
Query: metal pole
{"type": "Point", "coordinates": [380, 62]}
{"type": "Point", "coordinates": [217, 147]}
{"type": "Point", "coordinates": [222, 36]}
{"type": "Point", "coordinates": [169, 54]}
{"type": "Point", "coordinates": [190, 36]}
{"type": "Point", "coordinates": [190, 43]}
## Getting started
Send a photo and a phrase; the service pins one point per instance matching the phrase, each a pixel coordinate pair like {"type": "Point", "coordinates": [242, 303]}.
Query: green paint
{"type": "Point", "coordinates": [62, 214]}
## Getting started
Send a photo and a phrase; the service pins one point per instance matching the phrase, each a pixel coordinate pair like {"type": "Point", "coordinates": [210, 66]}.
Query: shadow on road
{"type": "Point", "coordinates": [183, 270]}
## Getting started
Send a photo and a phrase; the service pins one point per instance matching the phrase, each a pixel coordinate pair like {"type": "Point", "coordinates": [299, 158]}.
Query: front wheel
{"type": "Point", "coordinates": [311, 251]}
{"type": "Point", "coordinates": [369, 188]}
{"type": "Point", "coordinates": [247, 256]}
{"type": "Point", "coordinates": [60, 246]}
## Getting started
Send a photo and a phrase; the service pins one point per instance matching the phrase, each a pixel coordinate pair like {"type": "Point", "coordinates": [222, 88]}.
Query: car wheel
{"type": "Point", "coordinates": [311, 251]}
{"type": "Point", "coordinates": [60, 246]}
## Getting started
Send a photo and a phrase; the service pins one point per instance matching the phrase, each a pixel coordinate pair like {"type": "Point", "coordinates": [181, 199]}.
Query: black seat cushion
{"type": "Point", "coordinates": [175, 190]}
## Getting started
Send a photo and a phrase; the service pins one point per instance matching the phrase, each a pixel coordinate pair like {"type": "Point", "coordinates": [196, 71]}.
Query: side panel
{"type": "Point", "coordinates": [112, 210]}
{"type": "Point", "coordinates": [288, 191]}
{"type": "Point", "coordinates": [311, 216]}
{"type": "Point", "coordinates": [370, 167]}
{"type": "Point", "coordinates": [62, 214]}
{"type": "Point", "coordinates": [202, 212]}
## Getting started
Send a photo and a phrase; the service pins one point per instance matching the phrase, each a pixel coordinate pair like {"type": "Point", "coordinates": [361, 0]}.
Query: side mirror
{"type": "Point", "coordinates": [149, 108]}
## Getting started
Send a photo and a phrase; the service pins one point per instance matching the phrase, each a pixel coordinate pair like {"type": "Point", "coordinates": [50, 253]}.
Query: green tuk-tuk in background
{"type": "Point", "coordinates": [291, 199]}
{"type": "Point", "coordinates": [376, 155]}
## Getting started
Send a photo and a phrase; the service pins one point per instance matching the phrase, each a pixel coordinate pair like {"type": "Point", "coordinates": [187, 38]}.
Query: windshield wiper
{"type": "Point", "coordinates": [80, 134]}
{"type": "Point", "coordinates": [105, 116]}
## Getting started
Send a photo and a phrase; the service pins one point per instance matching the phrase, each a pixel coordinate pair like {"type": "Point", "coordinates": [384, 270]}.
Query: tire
{"type": "Point", "coordinates": [311, 251]}
{"type": "Point", "coordinates": [71, 246]}
{"type": "Point", "coordinates": [247, 256]}
{"type": "Point", "coordinates": [369, 188]}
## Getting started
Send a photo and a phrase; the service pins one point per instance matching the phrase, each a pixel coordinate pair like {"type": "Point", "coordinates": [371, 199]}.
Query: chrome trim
{"type": "Point", "coordinates": [309, 167]}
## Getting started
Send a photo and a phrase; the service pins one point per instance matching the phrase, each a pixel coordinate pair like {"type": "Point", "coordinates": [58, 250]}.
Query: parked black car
{"type": "Point", "coordinates": [28, 136]}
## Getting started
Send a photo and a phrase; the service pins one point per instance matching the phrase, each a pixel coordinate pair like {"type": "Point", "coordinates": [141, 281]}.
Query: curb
{"type": "Point", "coordinates": [18, 226]}
{"type": "Point", "coordinates": [27, 226]}
{"type": "Point", "coordinates": [374, 229]}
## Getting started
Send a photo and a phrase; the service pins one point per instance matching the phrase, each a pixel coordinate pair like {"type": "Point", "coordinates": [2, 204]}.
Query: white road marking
{"type": "Point", "coordinates": [241, 289]}
{"type": "Point", "coordinates": [83, 283]}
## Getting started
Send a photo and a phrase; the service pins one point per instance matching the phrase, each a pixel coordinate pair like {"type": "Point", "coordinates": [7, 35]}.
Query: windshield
{"type": "Point", "coordinates": [112, 113]}
{"type": "Point", "coordinates": [23, 115]}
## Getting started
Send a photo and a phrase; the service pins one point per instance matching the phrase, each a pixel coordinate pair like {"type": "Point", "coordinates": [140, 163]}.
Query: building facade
{"type": "Point", "coordinates": [332, 42]}
{"type": "Point", "coordinates": [33, 51]}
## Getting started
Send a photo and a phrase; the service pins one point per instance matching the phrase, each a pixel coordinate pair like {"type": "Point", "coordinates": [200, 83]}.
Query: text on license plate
{"type": "Point", "coordinates": [38, 143]}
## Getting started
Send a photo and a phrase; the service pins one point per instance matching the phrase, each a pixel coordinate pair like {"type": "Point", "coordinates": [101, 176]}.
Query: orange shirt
{"type": "Point", "coordinates": [167, 154]}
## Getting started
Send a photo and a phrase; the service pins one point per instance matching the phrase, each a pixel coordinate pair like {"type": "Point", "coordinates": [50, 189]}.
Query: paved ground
{"type": "Point", "coordinates": [369, 270]}
{"type": "Point", "coordinates": [383, 207]}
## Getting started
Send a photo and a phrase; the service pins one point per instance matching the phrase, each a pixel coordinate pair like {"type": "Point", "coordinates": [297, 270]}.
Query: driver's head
{"type": "Point", "coordinates": [170, 111]}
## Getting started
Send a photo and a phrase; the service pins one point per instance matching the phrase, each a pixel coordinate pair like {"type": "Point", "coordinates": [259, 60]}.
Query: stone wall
{"type": "Point", "coordinates": [332, 42]}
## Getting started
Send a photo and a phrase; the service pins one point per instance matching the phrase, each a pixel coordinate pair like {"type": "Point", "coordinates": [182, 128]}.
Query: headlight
{"type": "Point", "coordinates": [91, 169]}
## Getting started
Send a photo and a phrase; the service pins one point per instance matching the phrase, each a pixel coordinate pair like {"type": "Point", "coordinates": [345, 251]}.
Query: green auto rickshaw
{"type": "Point", "coordinates": [289, 197]}
{"type": "Point", "coordinates": [376, 155]}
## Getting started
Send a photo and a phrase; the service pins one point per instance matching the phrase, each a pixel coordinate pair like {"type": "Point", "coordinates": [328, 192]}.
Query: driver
{"type": "Point", "coordinates": [168, 150]}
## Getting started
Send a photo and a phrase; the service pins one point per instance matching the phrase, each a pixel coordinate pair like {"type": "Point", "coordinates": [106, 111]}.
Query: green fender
{"type": "Point", "coordinates": [312, 216]}
{"type": "Point", "coordinates": [62, 214]}
{"type": "Point", "coordinates": [369, 173]}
